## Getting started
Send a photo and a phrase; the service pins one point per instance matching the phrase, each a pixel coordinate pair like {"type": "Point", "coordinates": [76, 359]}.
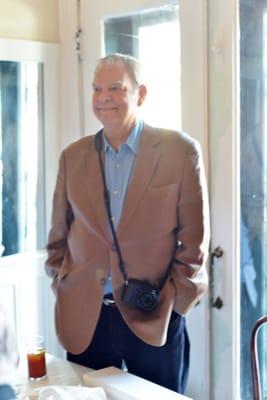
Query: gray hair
{"type": "Point", "coordinates": [131, 64]}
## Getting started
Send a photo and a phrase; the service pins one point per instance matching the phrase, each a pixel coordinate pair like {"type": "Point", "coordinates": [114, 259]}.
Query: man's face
{"type": "Point", "coordinates": [115, 99]}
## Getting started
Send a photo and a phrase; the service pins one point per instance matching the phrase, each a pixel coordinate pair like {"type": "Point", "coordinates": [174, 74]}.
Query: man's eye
{"type": "Point", "coordinates": [97, 89]}
{"type": "Point", "coordinates": [115, 88]}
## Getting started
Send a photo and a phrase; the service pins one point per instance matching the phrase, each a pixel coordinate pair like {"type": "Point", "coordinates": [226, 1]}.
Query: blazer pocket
{"type": "Point", "coordinates": [163, 198]}
{"type": "Point", "coordinates": [171, 188]}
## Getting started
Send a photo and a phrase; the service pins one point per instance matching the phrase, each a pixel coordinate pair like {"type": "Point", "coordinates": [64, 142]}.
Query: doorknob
{"type": "Point", "coordinates": [217, 303]}
{"type": "Point", "coordinates": [216, 254]}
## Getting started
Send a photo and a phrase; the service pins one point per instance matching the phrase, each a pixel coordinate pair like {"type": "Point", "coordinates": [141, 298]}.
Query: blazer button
{"type": "Point", "coordinates": [113, 247]}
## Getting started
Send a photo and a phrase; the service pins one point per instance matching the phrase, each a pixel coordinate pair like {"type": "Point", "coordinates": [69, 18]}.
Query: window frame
{"type": "Point", "coordinates": [48, 55]}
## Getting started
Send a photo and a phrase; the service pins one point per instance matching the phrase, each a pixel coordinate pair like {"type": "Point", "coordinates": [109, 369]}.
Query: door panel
{"type": "Point", "coordinates": [224, 196]}
{"type": "Point", "coordinates": [253, 188]}
{"type": "Point", "coordinates": [189, 101]}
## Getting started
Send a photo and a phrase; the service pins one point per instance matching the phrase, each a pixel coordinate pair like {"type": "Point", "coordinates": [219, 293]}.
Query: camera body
{"type": "Point", "coordinates": [140, 294]}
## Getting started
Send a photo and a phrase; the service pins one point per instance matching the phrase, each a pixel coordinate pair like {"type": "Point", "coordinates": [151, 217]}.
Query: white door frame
{"type": "Point", "coordinates": [224, 195]}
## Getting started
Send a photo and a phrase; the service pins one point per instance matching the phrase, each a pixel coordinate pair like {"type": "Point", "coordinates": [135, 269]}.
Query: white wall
{"type": "Point", "coordinates": [29, 20]}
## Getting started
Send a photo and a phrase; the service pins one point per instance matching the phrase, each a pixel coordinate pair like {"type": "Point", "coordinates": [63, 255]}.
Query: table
{"type": "Point", "coordinates": [59, 372]}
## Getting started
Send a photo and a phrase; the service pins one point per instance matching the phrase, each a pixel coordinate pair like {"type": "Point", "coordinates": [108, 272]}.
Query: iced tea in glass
{"type": "Point", "coordinates": [36, 358]}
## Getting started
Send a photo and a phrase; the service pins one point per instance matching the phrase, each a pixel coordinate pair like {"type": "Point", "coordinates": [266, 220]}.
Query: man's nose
{"type": "Point", "coordinates": [105, 95]}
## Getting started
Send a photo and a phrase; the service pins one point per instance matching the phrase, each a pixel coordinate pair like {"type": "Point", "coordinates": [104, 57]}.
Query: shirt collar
{"type": "Point", "coordinates": [133, 139]}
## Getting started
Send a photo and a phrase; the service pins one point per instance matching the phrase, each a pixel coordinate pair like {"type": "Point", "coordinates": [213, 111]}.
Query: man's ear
{"type": "Point", "coordinates": [141, 94]}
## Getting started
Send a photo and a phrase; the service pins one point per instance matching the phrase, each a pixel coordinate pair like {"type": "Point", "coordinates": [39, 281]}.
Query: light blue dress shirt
{"type": "Point", "coordinates": [119, 166]}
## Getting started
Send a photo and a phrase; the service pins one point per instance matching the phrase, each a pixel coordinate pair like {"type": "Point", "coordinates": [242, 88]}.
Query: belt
{"type": "Point", "coordinates": [108, 300]}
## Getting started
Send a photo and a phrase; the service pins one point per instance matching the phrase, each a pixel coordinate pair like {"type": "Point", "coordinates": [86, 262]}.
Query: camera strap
{"type": "Point", "coordinates": [162, 281]}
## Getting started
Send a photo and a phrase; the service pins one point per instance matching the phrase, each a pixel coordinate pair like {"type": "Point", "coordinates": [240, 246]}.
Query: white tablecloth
{"type": "Point", "coordinates": [62, 372]}
{"type": "Point", "coordinates": [59, 372]}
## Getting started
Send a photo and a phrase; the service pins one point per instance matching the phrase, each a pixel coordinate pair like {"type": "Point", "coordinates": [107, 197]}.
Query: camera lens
{"type": "Point", "coordinates": [147, 300]}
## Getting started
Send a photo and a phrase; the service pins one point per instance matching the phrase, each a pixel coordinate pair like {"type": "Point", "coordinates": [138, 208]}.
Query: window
{"type": "Point", "coordinates": [29, 144]}
{"type": "Point", "coordinates": [21, 157]}
{"type": "Point", "coordinates": [153, 36]}
{"type": "Point", "coordinates": [253, 55]}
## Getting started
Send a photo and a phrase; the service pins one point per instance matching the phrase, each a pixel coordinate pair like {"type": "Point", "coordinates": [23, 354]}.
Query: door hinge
{"type": "Point", "coordinates": [77, 39]}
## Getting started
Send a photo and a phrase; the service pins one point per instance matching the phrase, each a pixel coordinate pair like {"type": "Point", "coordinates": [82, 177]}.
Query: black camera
{"type": "Point", "coordinates": [140, 294]}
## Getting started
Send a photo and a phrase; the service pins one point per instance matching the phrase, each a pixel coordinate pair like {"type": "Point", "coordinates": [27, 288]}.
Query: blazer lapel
{"type": "Point", "coordinates": [146, 161]}
{"type": "Point", "coordinates": [94, 188]}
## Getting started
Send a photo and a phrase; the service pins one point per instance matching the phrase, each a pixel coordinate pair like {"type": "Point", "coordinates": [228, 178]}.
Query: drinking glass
{"type": "Point", "coordinates": [36, 358]}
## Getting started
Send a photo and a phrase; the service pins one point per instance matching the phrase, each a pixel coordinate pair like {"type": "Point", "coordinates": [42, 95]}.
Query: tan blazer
{"type": "Point", "coordinates": [166, 203]}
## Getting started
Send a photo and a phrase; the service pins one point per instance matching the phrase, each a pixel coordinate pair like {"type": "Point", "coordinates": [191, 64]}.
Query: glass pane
{"type": "Point", "coordinates": [253, 64]}
{"type": "Point", "coordinates": [153, 36]}
{"type": "Point", "coordinates": [21, 143]}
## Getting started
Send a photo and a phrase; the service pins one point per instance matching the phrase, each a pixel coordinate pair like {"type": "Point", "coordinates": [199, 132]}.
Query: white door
{"type": "Point", "coordinates": [246, 272]}
{"type": "Point", "coordinates": [224, 330]}
{"type": "Point", "coordinates": [224, 195]}
{"type": "Point", "coordinates": [237, 132]}
{"type": "Point", "coordinates": [170, 39]}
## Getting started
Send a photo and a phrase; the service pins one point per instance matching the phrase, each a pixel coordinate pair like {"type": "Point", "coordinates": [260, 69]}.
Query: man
{"type": "Point", "coordinates": [159, 211]}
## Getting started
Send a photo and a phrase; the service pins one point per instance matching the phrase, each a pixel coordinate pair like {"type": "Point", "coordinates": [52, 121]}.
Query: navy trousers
{"type": "Point", "coordinates": [114, 342]}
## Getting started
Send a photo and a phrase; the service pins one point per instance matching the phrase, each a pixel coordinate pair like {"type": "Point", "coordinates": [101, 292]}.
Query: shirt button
{"type": "Point", "coordinates": [113, 247]}
{"type": "Point", "coordinates": [115, 192]}
{"type": "Point", "coordinates": [118, 165]}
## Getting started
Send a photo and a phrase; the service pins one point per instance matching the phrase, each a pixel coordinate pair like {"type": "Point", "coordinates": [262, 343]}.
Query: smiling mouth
{"type": "Point", "coordinates": [107, 109]}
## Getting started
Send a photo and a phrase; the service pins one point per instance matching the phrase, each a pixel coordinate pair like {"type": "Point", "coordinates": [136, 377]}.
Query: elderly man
{"type": "Point", "coordinates": [129, 236]}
